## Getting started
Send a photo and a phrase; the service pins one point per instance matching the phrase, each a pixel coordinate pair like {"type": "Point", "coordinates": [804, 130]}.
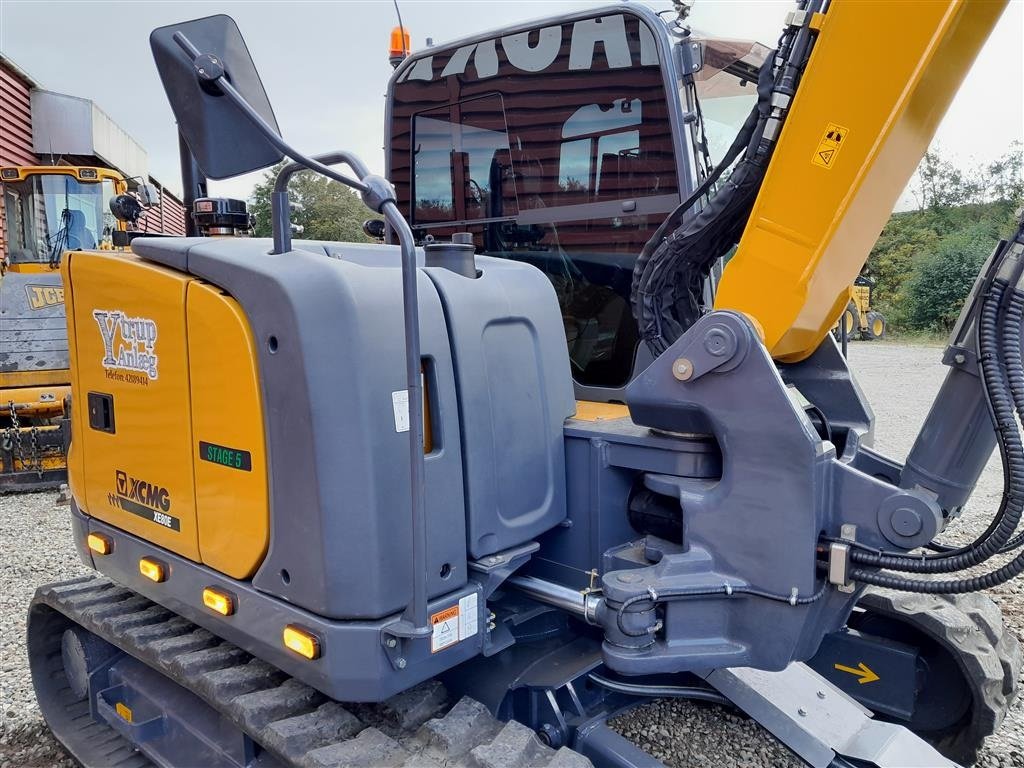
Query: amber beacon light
{"type": "Point", "coordinates": [399, 47]}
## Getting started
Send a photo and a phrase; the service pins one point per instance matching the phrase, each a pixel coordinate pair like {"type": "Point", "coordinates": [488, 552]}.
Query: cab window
{"type": "Point", "coordinates": [553, 147]}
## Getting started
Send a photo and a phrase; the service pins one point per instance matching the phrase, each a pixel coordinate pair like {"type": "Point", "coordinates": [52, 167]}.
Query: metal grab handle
{"type": "Point", "coordinates": [378, 196]}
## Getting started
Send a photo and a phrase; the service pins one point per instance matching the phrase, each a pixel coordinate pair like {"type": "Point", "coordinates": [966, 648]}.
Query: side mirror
{"type": "Point", "coordinates": [374, 228]}
{"type": "Point", "coordinates": [222, 139]}
{"type": "Point", "coordinates": [148, 195]}
{"type": "Point", "coordinates": [125, 208]}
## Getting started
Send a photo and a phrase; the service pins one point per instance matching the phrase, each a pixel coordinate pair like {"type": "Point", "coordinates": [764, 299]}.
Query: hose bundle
{"type": "Point", "coordinates": [668, 277]}
{"type": "Point", "coordinates": [1000, 334]}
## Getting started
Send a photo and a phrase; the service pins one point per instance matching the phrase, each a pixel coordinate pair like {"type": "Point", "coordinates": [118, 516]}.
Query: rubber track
{"type": "Point", "coordinates": [971, 627]}
{"type": "Point", "coordinates": [295, 723]}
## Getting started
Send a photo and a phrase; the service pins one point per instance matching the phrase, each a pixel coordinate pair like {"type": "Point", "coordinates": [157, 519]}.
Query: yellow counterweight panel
{"type": "Point", "coordinates": [232, 506]}
{"type": "Point", "coordinates": [878, 82]}
{"type": "Point", "coordinates": [131, 349]}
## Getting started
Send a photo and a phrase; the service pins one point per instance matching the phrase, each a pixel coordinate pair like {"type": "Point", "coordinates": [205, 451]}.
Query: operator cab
{"type": "Point", "coordinates": [52, 210]}
{"type": "Point", "coordinates": [564, 144]}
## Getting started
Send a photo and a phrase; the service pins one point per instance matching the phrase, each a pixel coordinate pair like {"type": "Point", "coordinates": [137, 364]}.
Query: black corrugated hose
{"type": "Point", "coordinates": [1000, 330]}
{"type": "Point", "coordinates": [995, 315]}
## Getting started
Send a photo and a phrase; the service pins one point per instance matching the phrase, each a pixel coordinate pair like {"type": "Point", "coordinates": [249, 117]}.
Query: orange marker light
{"type": "Point", "coordinates": [218, 602]}
{"type": "Point", "coordinates": [152, 569]}
{"type": "Point", "coordinates": [399, 47]}
{"type": "Point", "coordinates": [302, 642]}
{"type": "Point", "coordinates": [100, 544]}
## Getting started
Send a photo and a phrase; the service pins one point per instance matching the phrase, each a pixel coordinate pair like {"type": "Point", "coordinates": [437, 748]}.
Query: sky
{"type": "Point", "coordinates": [325, 68]}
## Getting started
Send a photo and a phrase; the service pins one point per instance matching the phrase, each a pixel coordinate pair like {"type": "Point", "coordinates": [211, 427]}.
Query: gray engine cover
{"type": "Point", "coordinates": [338, 462]}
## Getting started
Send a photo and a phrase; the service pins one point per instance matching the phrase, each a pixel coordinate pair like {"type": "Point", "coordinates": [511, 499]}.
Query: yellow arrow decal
{"type": "Point", "coordinates": [862, 671]}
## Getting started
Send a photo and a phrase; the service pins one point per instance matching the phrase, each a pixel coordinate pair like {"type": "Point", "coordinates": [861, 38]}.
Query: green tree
{"type": "Point", "coordinates": [925, 261]}
{"type": "Point", "coordinates": [326, 210]}
{"type": "Point", "coordinates": [941, 184]}
{"type": "Point", "coordinates": [943, 276]}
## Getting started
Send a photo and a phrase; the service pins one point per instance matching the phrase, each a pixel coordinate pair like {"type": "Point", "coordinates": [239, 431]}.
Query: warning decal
{"type": "Point", "coordinates": [446, 629]}
{"type": "Point", "coordinates": [454, 624]}
{"type": "Point", "coordinates": [828, 148]}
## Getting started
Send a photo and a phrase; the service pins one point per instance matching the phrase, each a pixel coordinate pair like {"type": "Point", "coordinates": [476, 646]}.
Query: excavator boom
{"type": "Point", "coordinates": [877, 84]}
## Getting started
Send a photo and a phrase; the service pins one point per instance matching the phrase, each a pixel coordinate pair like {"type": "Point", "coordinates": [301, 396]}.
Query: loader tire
{"type": "Point", "coordinates": [968, 631]}
{"type": "Point", "coordinates": [851, 320]}
{"type": "Point", "coordinates": [297, 725]}
{"type": "Point", "coordinates": [875, 327]}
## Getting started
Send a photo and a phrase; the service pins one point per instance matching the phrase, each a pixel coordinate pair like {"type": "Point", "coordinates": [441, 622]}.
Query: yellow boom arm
{"type": "Point", "coordinates": [879, 80]}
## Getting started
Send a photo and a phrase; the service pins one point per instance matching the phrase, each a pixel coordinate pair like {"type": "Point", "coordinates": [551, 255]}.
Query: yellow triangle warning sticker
{"type": "Point", "coordinates": [832, 140]}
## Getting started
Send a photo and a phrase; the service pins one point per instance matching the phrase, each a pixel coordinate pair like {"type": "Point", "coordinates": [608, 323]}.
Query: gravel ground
{"type": "Point", "coordinates": [900, 382]}
{"type": "Point", "coordinates": [35, 539]}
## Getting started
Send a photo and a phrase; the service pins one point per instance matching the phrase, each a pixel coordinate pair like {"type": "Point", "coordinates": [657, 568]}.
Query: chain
{"type": "Point", "coordinates": [36, 463]}
{"type": "Point", "coordinates": [19, 451]}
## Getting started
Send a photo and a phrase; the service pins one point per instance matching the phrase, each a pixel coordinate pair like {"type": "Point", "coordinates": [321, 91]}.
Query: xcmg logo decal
{"type": "Point", "coordinates": [129, 346]}
{"type": "Point", "coordinates": [145, 499]}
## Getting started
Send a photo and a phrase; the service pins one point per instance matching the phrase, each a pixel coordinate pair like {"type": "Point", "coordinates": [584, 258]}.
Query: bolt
{"type": "Point", "coordinates": [391, 642]}
{"type": "Point", "coordinates": [682, 369]}
{"type": "Point", "coordinates": [716, 342]}
{"type": "Point", "coordinates": [959, 359]}
{"type": "Point", "coordinates": [821, 694]}
{"type": "Point", "coordinates": [550, 735]}
{"type": "Point", "coordinates": [628, 578]}
{"type": "Point", "coordinates": [906, 522]}
{"type": "Point", "coordinates": [802, 712]}
{"type": "Point", "coordinates": [400, 663]}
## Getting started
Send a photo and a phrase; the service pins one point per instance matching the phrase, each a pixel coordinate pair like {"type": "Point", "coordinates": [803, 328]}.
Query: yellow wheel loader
{"type": "Point", "coordinates": [48, 210]}
{"type": "Point", "coordinates": [859, 319]}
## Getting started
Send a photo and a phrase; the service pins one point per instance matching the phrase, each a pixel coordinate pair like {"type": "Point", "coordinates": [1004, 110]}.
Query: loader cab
{"type": "Point", "coordinates": [564, 144]}
{"type": "Point", "coordinates": [52, 209]}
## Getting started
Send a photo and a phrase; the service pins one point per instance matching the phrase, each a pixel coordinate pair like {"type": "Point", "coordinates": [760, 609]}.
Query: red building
{"type": "Point", "coordinates": [40, 127]}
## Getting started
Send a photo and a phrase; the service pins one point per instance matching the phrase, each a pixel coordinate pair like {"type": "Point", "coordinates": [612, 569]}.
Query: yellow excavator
{"type": "Point", "coordinates": [465, 498]}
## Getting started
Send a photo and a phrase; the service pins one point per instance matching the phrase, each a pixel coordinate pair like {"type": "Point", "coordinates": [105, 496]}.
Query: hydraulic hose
{"type": "Point", "coordinates": [1011, 450]}
{"type": "Point", "coordinates": [996, 539]}
{"type": "Point", "coordinates": [726, 590]}
{"type": "Point", "coordinates": [1003, 311]}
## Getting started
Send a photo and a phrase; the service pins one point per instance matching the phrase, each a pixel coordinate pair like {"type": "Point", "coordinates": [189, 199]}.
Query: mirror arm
{"type": "Point", "coordinates": [280, 206]}
{"type": "Point", "coordinates": [379, 197]}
